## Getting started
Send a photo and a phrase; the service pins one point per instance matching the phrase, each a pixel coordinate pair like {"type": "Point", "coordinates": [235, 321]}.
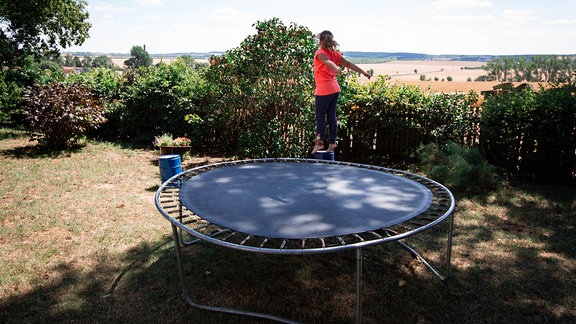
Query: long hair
{"type": "Point", "coordinates": [326, 40]}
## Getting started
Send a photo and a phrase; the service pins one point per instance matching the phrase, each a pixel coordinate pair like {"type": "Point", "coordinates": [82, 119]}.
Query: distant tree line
{"type": "Point", "coordinates": [538, 68]}
{"type": "Point", "coordinates": [87, 61]}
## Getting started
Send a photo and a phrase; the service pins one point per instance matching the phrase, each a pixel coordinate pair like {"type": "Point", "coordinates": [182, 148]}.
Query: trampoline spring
{"type": "Point", "coordinates": [429, 219]}
{"type": "Point", "coordinates": [229, 236]}
{"type": "Point", "coordinates": [283, 244]}
{"type": "Point", "coordinates": [341, 240]}
{"type": "Point", "coordinates": [192, 221]}
{"type": "Point", "coordinates": [246, 239]}
{"type": "Point", "coordinates": [405, 227]}
{"type": "Point", "coordinates": [322, 242]}
{"type": "Point", "coordinates": [375, 234]}
{"type": "Point", "coordinates": [417, 224]}
{"type": "Point", "coordinates": [360, 238]}
{"type": "Point", "coordinates": [219, 232]}
{"type": "Point", "coordinates": [196, 229]}
{"type": "Point", "coordinates": [302, 244]}
{"type": "Point", "coordinates": [389, 230]}
{"type": "Point", "coordinates": [436, 213]}
{"type": "Point", "coordinates": [263, 242]}
{"type": "Point", "coordinates": [172, 205]}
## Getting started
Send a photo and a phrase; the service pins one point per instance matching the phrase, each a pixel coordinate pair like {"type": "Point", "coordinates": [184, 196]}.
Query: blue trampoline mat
{"type": "Point", "coordinates": [303, 200]}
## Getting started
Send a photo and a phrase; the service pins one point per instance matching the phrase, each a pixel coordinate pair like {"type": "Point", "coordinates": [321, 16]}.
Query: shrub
{"type": "Point", "coordinates": [14, 81]}
{"type": "Point", "coordinates": [389, 122]}
{"type": "Point", "coordinates": [531, 133]}
{"type": "Point", "coordinates": [549, 144]}
{"type": "Point", "coordinates": [262, 92]}
{"type": "Point", "coordinates": [10, 97]}
{"type": "Point", "coordinates": [58, 114]}
{"type": "Point", "coordinates": [462, 169]}
{"type": "Point", "coordinates": [156, 99]}
{"type": "Point", "coordinates": [504, 121]}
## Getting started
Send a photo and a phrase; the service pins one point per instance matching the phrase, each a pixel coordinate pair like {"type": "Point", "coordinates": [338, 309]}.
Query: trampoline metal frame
{"type": "Point", "coordinates": [183, 221]}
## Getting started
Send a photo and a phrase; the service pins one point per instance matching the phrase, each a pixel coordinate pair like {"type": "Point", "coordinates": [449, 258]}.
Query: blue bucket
{"type": "Point", "coordinates": [323, 155]}
{"type": "Point", "coordinates": [169, 166]}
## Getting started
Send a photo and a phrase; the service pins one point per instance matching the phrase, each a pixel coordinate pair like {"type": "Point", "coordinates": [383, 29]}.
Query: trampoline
{"type": "Point", "coordinates": [301, 206]}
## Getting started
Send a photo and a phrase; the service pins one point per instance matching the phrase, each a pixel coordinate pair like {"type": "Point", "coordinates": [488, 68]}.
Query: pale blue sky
{"type": "Point", "coordinates": [492, 27]}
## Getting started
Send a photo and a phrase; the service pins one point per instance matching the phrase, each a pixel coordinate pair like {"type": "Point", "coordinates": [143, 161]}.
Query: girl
{"type": "Point", "coordinates": [326, 61]}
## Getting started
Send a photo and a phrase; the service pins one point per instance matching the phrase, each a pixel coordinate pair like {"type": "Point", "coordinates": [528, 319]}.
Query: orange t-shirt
{"type": "Point", "coordinates": [324, 76]}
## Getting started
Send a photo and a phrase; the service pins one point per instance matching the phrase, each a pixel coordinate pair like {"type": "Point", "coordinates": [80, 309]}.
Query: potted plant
{"type": "Point", "coordinates": [170, 145]}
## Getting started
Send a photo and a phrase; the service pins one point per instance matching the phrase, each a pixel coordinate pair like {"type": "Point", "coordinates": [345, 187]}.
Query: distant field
{"type": "Point", "coordinates": [403, 72]}
{"type": "Point", "coordinates": [120, 61]}
{"type": "Point", "coordinates": [460, 71]}
{"type": "Point", "coordinates": [409, 72]}
{"type": "Point", "coordinates": [412, 70]}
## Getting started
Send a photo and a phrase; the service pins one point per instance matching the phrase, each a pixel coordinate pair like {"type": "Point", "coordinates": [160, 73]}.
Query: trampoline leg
{"type": "Point", "coordinates": [179, 261]}
{"type": "Point", "coordinates": [447, 265]}
{"type": "Point", "coordinates": [358, 285]}
{"type": "Point", "coordinates": [191, 302]}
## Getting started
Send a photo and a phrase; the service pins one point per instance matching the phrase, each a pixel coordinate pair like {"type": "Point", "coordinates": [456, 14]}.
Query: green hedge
{"type": "Point", "coordinates": [386, 123]}
{"type": "Point", "coordinates": [532, 133]}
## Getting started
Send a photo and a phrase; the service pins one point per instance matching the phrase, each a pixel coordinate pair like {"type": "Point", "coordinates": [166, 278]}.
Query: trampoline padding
{"type": "Point", "coordinates": [303, 200]}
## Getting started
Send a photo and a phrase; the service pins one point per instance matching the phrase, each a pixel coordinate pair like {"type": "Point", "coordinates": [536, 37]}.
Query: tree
{"type": "Point", "coordinates": [139, 57]}
{"type": "Point", "coordinates": [263, 89]}
{"type": "Point", "coordinates": [87, 61]}
{"type": "Point", "coordinates": [32, 27]}
{"type": "Point", "coordinates": [103, 61]}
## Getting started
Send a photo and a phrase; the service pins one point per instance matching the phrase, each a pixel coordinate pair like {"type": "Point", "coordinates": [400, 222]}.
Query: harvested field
{"type": "Point", "coordinates": [412, 70]}
{"type": "Point", "coordinates": [402, 72]}
{"type": "Point", "coordinates": [120, 61]}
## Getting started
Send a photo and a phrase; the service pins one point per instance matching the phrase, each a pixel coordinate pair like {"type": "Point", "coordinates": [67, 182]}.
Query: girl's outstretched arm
{"type": "Point", "coordinates": [347, 64]}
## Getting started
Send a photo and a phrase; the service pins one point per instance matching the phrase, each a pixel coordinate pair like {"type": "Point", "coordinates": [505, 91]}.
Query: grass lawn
{"type": "Point", "coordinates": [81, 241]}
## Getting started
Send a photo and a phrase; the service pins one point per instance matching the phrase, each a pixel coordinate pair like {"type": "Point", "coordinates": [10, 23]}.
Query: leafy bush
{"type": "Point", "coordinates": [103, 82]}
{"type": "Point", "coordinates": [156, 99]}
{"type": "Point", "coordinates": [504, 122]}
{"type": "Point", "coordinates": [262, 92]}
{"type": "Point", "coordinates": [14, 81]}
{"type": "Point", "coordinates": [10, 97]}
{"type": "Point", "coordinates": [550, 154]}
{"type": "Point", "coordinates": [58, 114]}
{"type": "Point", "coordinates": [387, 122]}
{"type": "Point", "coordinates": [531, 133]}
{"type": "Point", "coordinates": [462, 169]}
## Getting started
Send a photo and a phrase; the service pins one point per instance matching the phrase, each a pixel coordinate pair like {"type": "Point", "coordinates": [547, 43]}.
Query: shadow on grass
{"type": "Point", "coordinates": [514, 269]}
{"type": "Point", "coordinates": [34, 151]}
{"type": "Point", "coordinates": [9, 133]}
